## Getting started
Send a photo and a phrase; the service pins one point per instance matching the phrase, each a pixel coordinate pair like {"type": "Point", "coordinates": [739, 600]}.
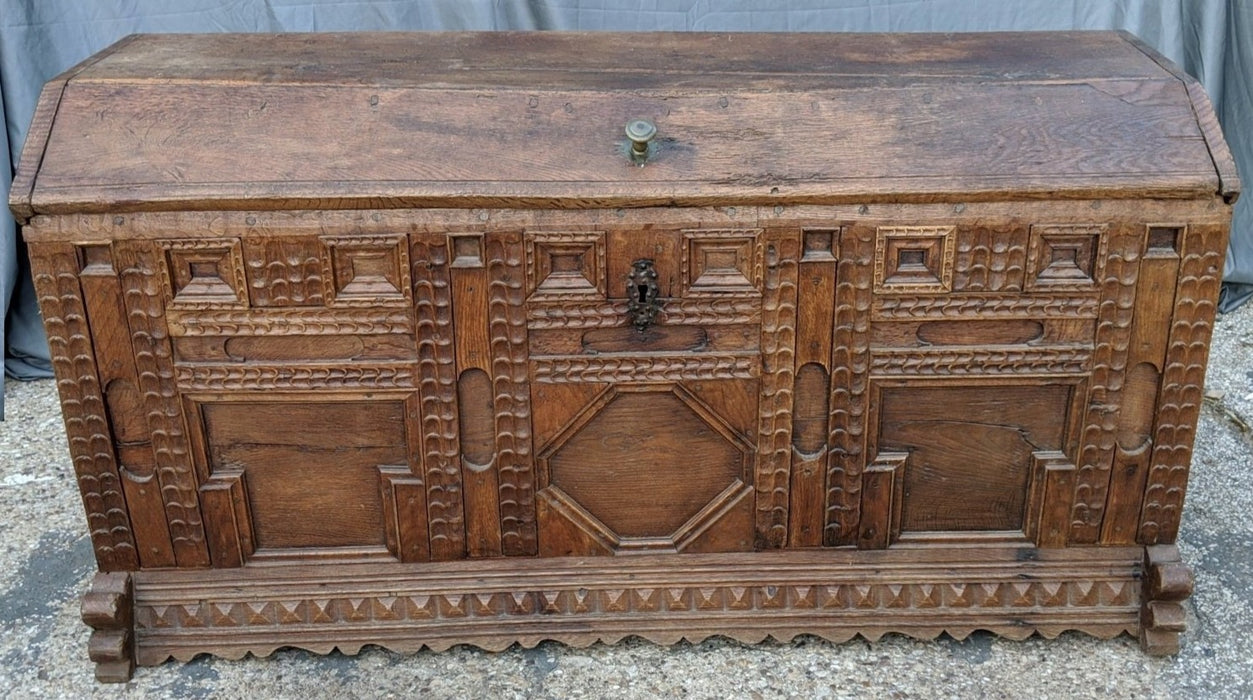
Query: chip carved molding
{"type": "Point", "coordinates": [599, 314]}
{"type": "Point", "coordinates": [1183, 378]}
{"type": "Point", "coordinates": [55, 267]}
{"type": "Point", "coordinates": [257, 376]}
{"type": "Point", "coordinates": [1117, 272]}
{"type": "Point", "coordinates": [850, 363]}
{"type": "Point", "coordinates": [660, 368]}
{"type": "Point", "coordinates": [515, 462]}
{"type": "Point", "coordinates": [414, 608]}
{"type": "Point", "coordinates": [986, 306]}
{"type": "Point", "coordinates": [778, 376]}
{"type": "Point", "coordinates": [290, 321]}
{"type": "Point", "coordinates": [437, 384]}
{"type": "Point", "coordinates": [982, 361]}
{"type": "Point", "coordinates": [139, 264]}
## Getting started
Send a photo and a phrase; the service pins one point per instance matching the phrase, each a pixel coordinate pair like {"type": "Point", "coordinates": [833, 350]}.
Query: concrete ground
{"type": "Point", "coordinates": [45, 564]}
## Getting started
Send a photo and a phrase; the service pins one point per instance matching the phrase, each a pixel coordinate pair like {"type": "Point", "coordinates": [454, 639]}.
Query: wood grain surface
{"type": "Point", "coordinates": [384, 339]}
{"type": "Point", "coordinates": [187, 122]}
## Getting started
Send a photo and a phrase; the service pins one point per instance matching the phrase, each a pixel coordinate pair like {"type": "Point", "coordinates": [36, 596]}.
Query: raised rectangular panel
{"type": "Point", "coordinates": [970, 451]}
{"type": "Point", "coordinates": [279, 474]}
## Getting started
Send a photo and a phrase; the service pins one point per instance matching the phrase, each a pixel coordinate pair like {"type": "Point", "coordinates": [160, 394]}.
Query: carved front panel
{"type": "Point", "coordinates": [610, 389]}
{"type": "Point", "coordinates": [663, 428]}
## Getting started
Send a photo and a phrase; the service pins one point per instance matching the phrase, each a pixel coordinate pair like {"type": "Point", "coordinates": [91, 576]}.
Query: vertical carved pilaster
{"type": "Point", "coordinates": [507, 333]}
{"type": "Point", "coordinates": [850, 366]}
{"type": "Point", "coordinates": [1109, 367]}
{"type": "Point", "coordinates": [140, 268]}
{"type": "Point", "coordinates": [1183, 378]}
{"type": "Point", "coordinates": [55, 268]}
{"type": "Point", "coordinates": [778, 342]}
{"type": "Point", "coordinates": [437, 385]}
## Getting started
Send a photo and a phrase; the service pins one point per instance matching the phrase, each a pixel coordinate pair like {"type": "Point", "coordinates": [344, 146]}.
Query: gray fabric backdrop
{"type": "Point", "coordinates": [1210, 39]}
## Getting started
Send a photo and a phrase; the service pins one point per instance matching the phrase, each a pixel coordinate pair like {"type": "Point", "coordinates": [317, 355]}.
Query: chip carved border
{"type": "Point", "coordinates": [599, 314]}
{"type": "Point", "coordinates": [290, 321]}
{"type": "Point", "coordinates": [981, 361]}
{"type": "Point", "coordinates": [778, 376]}
{"type": "Point", "coordinates": [55, 273]}
{"type": "Point", "coordinates": [659, 368]}
{"type": "Point", "coordinates": [437, 384]}
{"type": "Point", "coordinates": [507, 326]}
{"type": "Point", "coordinates": [1179, 402]}
{"type": "Point", "coordinates": [850, 363]}
{"type": "Point", "coordinates": [986, 306]}
{"type": "Point", "coordinates": [255, 376]}
{"type": "Point", "coordinates": [587, 602]}
{"type": "Point", "coordinates": [1118, 267]}
{"type": "Point", "coordinates": [139, 263]}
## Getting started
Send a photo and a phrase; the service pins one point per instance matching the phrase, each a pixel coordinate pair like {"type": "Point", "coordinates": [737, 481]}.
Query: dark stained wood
{"type": "Point", "coordinates": [343, 330]}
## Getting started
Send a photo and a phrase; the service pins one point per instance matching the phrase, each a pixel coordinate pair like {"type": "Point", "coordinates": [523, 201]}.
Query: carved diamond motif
{"type": "Point", "coordinates": [644, 466]}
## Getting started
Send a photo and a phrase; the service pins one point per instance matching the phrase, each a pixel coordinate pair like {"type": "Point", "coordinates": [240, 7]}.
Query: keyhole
{"type": "Point", "coordinates": [643, 292]}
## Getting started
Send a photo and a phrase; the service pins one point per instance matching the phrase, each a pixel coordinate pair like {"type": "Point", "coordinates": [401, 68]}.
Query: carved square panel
{"type": "Point", "coordinates": [467, 249]}
{"type": "Point", "coordinates": [717, 263]}
{"type": "Point", "coordinates": [366, 271]}
{"type": "Point", "coordinates": [202, 273]}
{"type": "Point", "coordinates": [1065, 257]}
{"type": "Point", "coordinates": [818, 245]}
{"type": "Point", "coordinates": [914, 259]}
{"type": "Point", "coordinates": [565, 264]}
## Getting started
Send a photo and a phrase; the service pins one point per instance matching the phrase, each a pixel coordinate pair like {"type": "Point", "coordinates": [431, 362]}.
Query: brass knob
{"type": "Point", "coordinates": [640, 132]}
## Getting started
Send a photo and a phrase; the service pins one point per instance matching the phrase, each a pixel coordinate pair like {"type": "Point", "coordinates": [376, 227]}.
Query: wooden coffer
{"type": "Point", "coordinates": [416, 340]}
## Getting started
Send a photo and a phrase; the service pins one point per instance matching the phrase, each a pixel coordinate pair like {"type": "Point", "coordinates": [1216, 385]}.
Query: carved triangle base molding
{"type": "Point", "coordinates": [1014, 592]}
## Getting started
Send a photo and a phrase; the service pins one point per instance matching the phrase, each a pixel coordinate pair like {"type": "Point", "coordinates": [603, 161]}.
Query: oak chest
{"type": "Point", "coordinates": [416, 340]}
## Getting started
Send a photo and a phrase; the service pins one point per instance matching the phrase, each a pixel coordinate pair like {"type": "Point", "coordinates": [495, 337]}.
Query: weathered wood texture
{"type": "Point", "coordinates": [1080, 114]}
{"type": "Point", "coordinates": [908, 334]}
